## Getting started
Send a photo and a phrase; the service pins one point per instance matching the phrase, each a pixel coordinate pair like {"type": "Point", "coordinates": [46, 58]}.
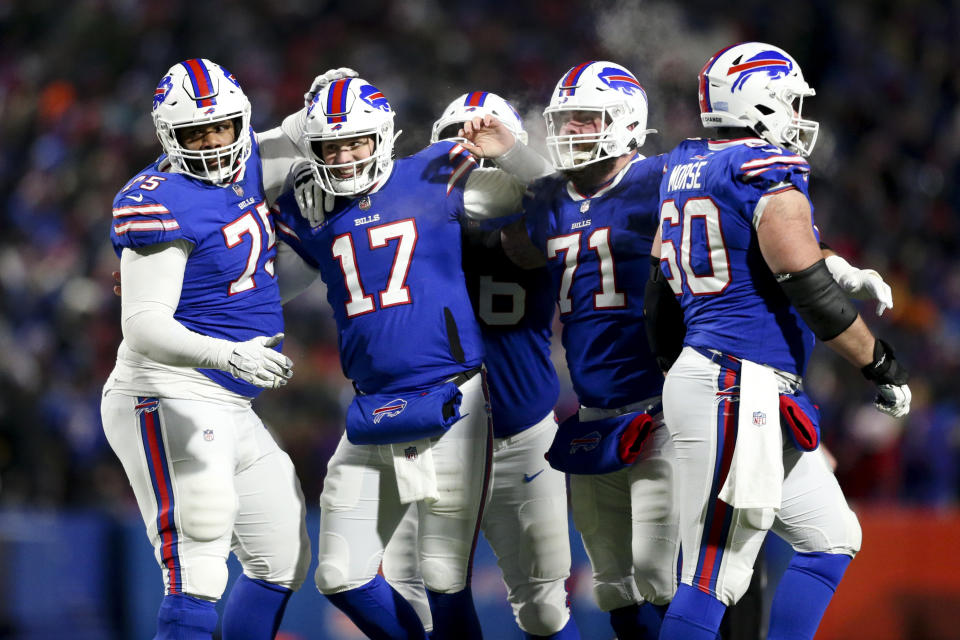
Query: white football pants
{"type": "Point", "coordinates": [628, 520]}
{"type": "Point", "coordinates": [525, 522]}
{"type": "Point", "coordinates": [208, 478]}
{"type": "Point", "coordinates": [360, 505]}
{"type": "Point", "coordinates": [720, 543]}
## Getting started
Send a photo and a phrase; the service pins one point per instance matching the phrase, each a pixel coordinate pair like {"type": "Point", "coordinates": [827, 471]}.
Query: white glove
{"type": "Point", "coordinates": [255, 362]}
{"type": "Point", "coordinates": [893, 399]}
{"type": "Point", "coordinates": [308, 194]}
{"type": "Point", "coordinates": [322, 80]}
{"type": "Point", "coordinates": [861, 284]}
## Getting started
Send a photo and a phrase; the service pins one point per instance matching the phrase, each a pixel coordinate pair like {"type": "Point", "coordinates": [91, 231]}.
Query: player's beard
{"type": "Point", "coordinates": [590, 176]}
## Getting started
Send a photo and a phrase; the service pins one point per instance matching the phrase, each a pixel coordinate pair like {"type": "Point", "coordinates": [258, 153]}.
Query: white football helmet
{"type": "Point", "coordinates": [616, 97]}
{"type": "Point", "coordinates": [344, 109]}
{"type": "Point", "coordinates": [196, 92]}
{"type": "Point", "coordinates": [759, 86]}
{"type": "Point", "coordinates": [473, 104]}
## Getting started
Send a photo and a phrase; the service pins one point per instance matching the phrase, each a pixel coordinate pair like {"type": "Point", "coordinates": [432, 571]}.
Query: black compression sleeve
{"type": "Point", "coordinates": [663, 318]}
{"type": "Point", "coordinates": [819, 300]}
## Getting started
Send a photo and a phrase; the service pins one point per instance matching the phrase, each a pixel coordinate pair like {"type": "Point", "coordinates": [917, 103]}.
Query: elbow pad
{"type": "Point", "coordinates": [663, 318]}
{"type": "Point", "coordinates": [819, 300]}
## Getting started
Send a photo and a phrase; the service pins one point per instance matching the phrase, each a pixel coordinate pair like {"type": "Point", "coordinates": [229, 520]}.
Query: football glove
{"type": "Point", "coordinates": [860, 284]}
{"type": "Point", "coordinates": [255, 362]}
{"type": "Point", "coordinates": [313, 201]}
{"type": "Point", "coordinates": [893, 394]}
{"type": "Point", "coordinates": [322, 80]}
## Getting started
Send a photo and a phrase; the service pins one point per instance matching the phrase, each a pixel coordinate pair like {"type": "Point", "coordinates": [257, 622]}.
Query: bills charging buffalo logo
{"type": "Point", "coordinates": [374, 97]}
{"type": "Point", "coordinates": [146, 405]}
{"type": "Point", "coordinates": [160, 93]}
{"type": "Point", "coordinates": [588, 442]}
{"type": "Point", "coordinates": [772, 63]}
{"type": "Point", "coordinates": [621, 80]}
{"type": "Point", "coordinates": [390, 410]}
{"type": "Point", "coordinates": [231, 78]}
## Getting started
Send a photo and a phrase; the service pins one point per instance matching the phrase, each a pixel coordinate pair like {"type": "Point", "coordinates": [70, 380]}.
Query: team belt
{"type": "Point", "coordinates": [463, 376]}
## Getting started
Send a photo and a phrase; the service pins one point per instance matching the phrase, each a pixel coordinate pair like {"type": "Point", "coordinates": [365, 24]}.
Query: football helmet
{"type": "Point", "coordinates": [616, 97]}
{"type": "Point", "coordinates": [196, 92]}
{"type": "Point", "coordinates": [473, 104]}
{"type": "Point", "coordinates": [344, 109]}
{"type": "Point", "coordinates": [759, 86]}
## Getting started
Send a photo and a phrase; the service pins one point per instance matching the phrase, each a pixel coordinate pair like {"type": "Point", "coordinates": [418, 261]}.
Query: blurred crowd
{"type": "Point", "coordinates": [76, 83]}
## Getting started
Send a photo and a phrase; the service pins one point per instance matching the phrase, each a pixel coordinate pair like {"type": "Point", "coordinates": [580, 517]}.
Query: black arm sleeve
{"type": "Point", "coordinates": [663, 318]}
{"type": "Point", "coordinates": [819, 300]}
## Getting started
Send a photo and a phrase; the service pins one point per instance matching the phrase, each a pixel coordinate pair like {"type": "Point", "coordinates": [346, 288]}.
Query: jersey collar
{"type": "Point", "coordinates": [718, 145]}
{"type": "Point", "coordinates": [577, 196]}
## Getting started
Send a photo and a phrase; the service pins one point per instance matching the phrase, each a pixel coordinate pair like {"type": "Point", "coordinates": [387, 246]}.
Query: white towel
{"type": "Point", "coordinates": [755, 479]}
{"type": "Point", "coordinates": [415, 471]}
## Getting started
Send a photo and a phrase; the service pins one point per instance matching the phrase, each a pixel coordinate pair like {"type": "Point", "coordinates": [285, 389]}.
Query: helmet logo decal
{"type": "Point", "coordinates": [374, 97]}
{"type": "Point", "coordinates": [161, 92]}
{"type": "Point", "coordinates": [203, 90]}
{"type": "Point", "coordinates": [209, 111]}
{"type": "Point", "coordinates": [475, 99]}
{"type": "Point", "coordinates": [232, 78]}
{"type": "Point", "coordinates": [569, 85]}
{"type": "Point", "coordinates": [337, 101]}
{"type": "Point", "coordinates": [773, 63]}
{"type": "Point", "coordinates": [621, 80]}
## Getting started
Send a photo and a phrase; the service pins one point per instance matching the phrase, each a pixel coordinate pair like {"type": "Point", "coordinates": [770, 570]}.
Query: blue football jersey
{"type": "Point", "coordinates": [598, 251]}
{"type": "Point", "coordinates": [391, 260]}
{"type": "Point", "coordinates": [229, 287]}
{"type": "Point", "coordinates": [730, 299]}
{"type": "Point", "coordinates": [515, 309]}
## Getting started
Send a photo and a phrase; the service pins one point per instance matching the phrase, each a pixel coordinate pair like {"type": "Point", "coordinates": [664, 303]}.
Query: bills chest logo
{"type": "Point", "coordinates": [390, 410]}
{"type": "Point", "coordinates": [759, 418]}
{"type": "Point", "coordinates": [621, 80]}
{"type": "Point", "coordinates": [772, 63]}
{"type": "Point", "coordinates": [160, 93]}
{"type": "Point", "coordinates": [374, 97]}
{"type": "Point", "coordinates": [588, 442]}
{"type": "Point", "coordinates": [146, 405]}
{"type": "Point", "coordinates": [410, 453]}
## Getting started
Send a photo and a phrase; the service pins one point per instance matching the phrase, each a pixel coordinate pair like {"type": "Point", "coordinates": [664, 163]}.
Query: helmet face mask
{"type": "Point", "coordinates": [343, 110]}
{"type": "Point", "coordinates": [618, 105]}
{"type": "Point", "coordinates": [198, 92]}
{"type": "Point", "coordinates": [758, 86]}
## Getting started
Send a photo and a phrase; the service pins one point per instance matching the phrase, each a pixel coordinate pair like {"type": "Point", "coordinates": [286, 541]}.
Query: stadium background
{"type": "Point", "coordinates": [76, 81]}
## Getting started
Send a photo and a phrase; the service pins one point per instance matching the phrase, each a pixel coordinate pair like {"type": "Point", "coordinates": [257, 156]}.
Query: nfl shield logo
{"type": "Point", "coordinates": [364, 203]}
{"type": "Point", "coordinates": [237, 189]}
{"type": "Point", "coordinates": [208, 435]}
{"type": "Point", "coordinates": [759, 418]}
{"type": "Point", "coordinates": [584, 206]}
{"type": "Point", "coordinates": [410, 453]}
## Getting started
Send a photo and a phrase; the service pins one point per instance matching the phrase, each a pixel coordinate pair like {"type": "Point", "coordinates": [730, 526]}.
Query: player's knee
{"type": "Point", "coordinates": [656, 587]}
{"type": "Point", "coordinates": [440, 577]}
{"type": "Point", "coordinates": [208, 507]}
{"type": "Point", "coordinates": [542, 608]}
{"type": "Point", "coordinates": [332, 571]}
{"type": "Point", "coordinates": [207, 577]}
{"type": "Point", "coordinates": [854, 535]}
{"type": "Point", "coordinates": [540, 619]}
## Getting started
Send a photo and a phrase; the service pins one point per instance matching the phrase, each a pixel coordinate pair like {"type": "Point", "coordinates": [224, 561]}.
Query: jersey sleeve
{"type": "Point", "coordinates": [143, 222]}
{"type": "Point", "coordinates": [292, 228]}
{"type": "Point", "coordinates": [769, 169]}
